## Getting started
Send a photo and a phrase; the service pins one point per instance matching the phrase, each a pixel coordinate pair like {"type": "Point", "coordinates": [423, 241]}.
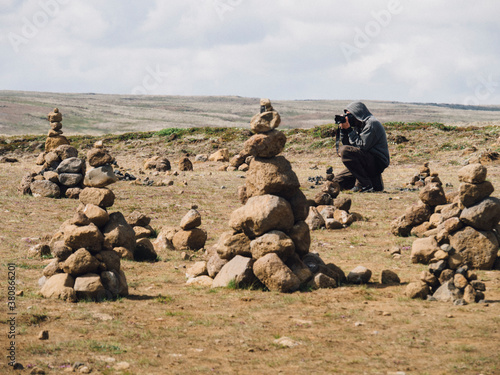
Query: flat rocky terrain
{"type": "Point", "coordinates": [166, 327]}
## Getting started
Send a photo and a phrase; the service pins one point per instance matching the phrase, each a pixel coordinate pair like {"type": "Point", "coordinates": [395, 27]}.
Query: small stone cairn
{"type": "Point", "coordinates": [188, 236]}
{"type": "Point", "coordinates": [62, 171]}
{"type": "Point", "coordinates": [423, 176]}
{"type": "Point", "coordinates": [88, 248]}
{"type": "Point", "coordinates": [269, 239]}
{"type": "Point", "coordinates": [457, 237]}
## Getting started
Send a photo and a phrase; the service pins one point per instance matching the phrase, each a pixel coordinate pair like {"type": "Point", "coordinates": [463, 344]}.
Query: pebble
{"type": "Point", "coordinates": [121, 366]}
{"type": "Point", "coordinates": [43, 335]}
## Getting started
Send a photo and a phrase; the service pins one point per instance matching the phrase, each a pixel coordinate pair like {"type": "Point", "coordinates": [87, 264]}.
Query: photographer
{"type": "Point", "coordinates": [364, 151]}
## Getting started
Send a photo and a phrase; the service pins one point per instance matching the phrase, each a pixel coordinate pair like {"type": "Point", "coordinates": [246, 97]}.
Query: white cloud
{"type": "Point", "coordinates": [430, 51]}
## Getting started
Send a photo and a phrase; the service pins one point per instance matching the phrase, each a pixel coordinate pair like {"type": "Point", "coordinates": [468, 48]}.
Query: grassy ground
{"type": "Point", "coordinates": [165, 327]}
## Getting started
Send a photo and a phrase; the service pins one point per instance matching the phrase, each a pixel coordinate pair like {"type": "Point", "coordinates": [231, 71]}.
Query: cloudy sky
{"type": "Point", "coordinates": [398, 50]}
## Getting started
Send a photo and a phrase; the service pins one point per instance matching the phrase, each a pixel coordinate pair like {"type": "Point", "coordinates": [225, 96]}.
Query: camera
{"type": "Point", "coordinates": [340, 119]}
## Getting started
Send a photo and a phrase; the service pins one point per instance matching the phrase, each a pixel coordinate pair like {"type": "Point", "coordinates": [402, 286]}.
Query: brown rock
{"type": "Point", "coordinates": [275, 275]}
{"type": "Point", "coordinates": [88, 237]}
{"type": "Point", "coordinates": [185, 164]}
{"type": "Point", "coordinates": [478, 249]}
{"type": "Point", "coordinates": [423, 250]}
{"type": "Point", "coordinates": [97, 215]}
{"type": "Point", "coordinates": [265, 121]}
{"type": "Point", "coordinates": [237, 270]}
{"type": "Point", "coordinates": [271, 176]}
{"type": "Point", "coordinates": [332, 188]}
{"type": "Point", "coordinates": [124, 253]}
{"type": "Point", "coordinates": [145, 251]}
{"type": "Point", "coordinates": [45, 189]}
{"type": "Point", "coordinates": [221, 155]}
{"type": "Point", "coordinates": [59, 286]}
{"type": "Point", "coordinates": [111, 259]}
{"type": "Point", "coordinates": [118, 233]}
{"type": "Point", "coordinates": [231, 244]}
{"type": "Point", "coordinates": [484, 215]}
{"type": "Point", "coordinates": [192, 239]}
{"type": "Point", "coordinates": [73, 193]}
{"type": "Point", "coordinates": [80, 262]}
{"type": "Point", "coordinates": [98, 157]}
{"type": "Point", "coordinates": [265, 145]}
{"type": "Point", "coordinates": [301, 237]}
{"type": "Point", "coordinates": [300, 206]}
{"type": "Point", "coordinates": [314, 220]}
{"type": "Point", "coordinates": [322, 281]}
{"type": "Point", "coordinates": [101, 197]}
{"type": "Point", "coordinates": [89, 286]}
{"type": "Point", "coordinates": [66, 152]}
{"type": "Point", "coordinates": [299, 268]}
{"type": "Point", "coordinates": [342, 203]}
{"type": "Point", "coordinates": [262, 214]}
{"type": "Point", "coordinates": [100, 177]}
{"type": "Point", "coordinates": [472, 173]}
{"type": "Point", "coordinates": [389, 277]}
{"type": "Point", "coordinates": [51, 143]}
{"type": "Point", "coordinates": [137, 218]}
{"type": "Point", "coordinates": [191, 220]}
{"type": "Point", "coordinates": [470, 194]}
{"type": "Point", "coordinates": [272, 242]}
{"type": "Point", "coordinates": [419, 230]}
{"type": "Point", "coordinates": [432, 194]}
{"type": "Point", "coordinates": [215, 264]}
{"type": "Point", "coordinates": [322, 199]}
{"type": "Point", "coordinates": [417, 289]}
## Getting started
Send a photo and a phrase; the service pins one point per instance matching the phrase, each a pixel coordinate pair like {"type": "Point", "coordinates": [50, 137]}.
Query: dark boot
{"type": "Point", "coordinates": [377, 183]}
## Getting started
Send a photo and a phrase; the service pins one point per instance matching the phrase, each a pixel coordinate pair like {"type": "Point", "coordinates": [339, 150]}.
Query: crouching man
{"type": "Point", "coordinates": [364, 151]}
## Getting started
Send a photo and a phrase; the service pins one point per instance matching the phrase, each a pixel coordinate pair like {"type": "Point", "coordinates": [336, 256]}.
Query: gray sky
{"type": "Point", "coordinates": [398, 50]}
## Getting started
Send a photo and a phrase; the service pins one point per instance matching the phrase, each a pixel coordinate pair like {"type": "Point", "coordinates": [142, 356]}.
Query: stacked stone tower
{"type": "Point", "coordinates": [62, 171]}
{"type": "Point", "coordinates": [269, 239]}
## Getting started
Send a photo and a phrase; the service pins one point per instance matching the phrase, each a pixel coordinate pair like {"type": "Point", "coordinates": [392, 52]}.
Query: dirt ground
{"type": "Point", "coordinates": [166, 327]}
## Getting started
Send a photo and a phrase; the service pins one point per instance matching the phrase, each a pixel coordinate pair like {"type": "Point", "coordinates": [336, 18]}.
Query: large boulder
{"type": "Point", "coordinates": [70, 179]}
{"type": "Point", "coordinates": [470, 194]}
{"type": "Point", "coordinates": [89, 287]}
{"type": "Point", "coordinates": [275, 275]}
{"type": "Point", "coordinates": [473, 173]}
{"type": "Point", "coordinates": [192, 239]}
{"type": "Point", "coordinates": [100, 176]}
{"type": "Point", "coordinates": [51, 143]}
{"type": "Point", "coordinates": [273, 241]}
{"type": "Point", "coordinates": [237, 270]}
{"type": "Point", "coordinates": [265, 121]}
{"type": "Point", "coordinates": [265, 145]}
{"type": "Point", "coordinates": [118, 233]}
{"type": "Point", "coordinates": [231, 244]}
{"type": "Point", "coordinates": [44, 188]}
{"type": "Point", "coordinates": [432, 194]}
{"type": "Point", "coordinates": [301, 237]}
{"type": "Point", "coordinates": [271, 176]}
{"type": "Point", "coordinates": [191, 220]}
{"type": "Point", "coordinates": [483, 216]}
{"type": "Point", "coordinates": [262, 214]}
{"type": "Point", "coordinates": [423, 249]}
{"type": "Point", "coordinates": [478, 249]}
{"type": "Point", "coordinates": [80, 262]}
{"type": "Point", "coordinates": [59, 286]}
{"type": "Point", "coordinates": [70, 165]}
{"type": "Point", "coordinates": [101, 197]}
{"type": "Point", "coordinates": [97, 157]}
{"type": "Point", "coordinates": [86, 236]}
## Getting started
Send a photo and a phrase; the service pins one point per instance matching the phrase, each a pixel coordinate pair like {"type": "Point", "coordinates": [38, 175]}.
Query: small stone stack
{"type": "Point", "coordinates": [269, 240]}
{"type": "Point", "coordinates": [417, 218]}
{"type": "Point", "coordinates": [188, 236]}
{"type": "Point", "coordinates": [332, 216]}
{"type": "Point", "coordinates": [55, 137]}
{"type": "Point", "coordinates": [62, 171]}
{"type": "Point", "coordinates": [423, 177]}
{"type": "Point", "coordinates": [465, 236]}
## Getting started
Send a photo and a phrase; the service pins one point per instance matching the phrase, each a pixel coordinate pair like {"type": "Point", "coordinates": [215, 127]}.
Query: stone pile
{"type": "Point", "coordinates": [423, 177]}
{"type": "Point", "coordinates": [62, 171]}
{"type": "Point", "coordinates": [187, 236]}
{"type": "Point", "coordinates": [459, 236]}
{"type": "Point", "coordinates": [88, 248]}
{"type": "Point", "coordinates": [269, 239]}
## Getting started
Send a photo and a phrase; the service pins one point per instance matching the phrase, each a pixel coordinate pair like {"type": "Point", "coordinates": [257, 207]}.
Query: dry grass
{"type": "Point", "coordinates": [167, 327]}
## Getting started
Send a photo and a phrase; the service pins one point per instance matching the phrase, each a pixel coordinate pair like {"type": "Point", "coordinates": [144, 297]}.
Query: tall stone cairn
{"type": "Point", "coordinates": [269, 240]}
{"type": "Point", "coordinates": [460, 236]}
{"type": "Point", "coordinates": [61, 173]}
{"type": "Point", "coordinates": [88, 248]}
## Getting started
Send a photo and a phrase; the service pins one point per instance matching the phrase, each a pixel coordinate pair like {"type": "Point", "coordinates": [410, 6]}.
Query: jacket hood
{"type": "Point", "coordinates": [359, 110]}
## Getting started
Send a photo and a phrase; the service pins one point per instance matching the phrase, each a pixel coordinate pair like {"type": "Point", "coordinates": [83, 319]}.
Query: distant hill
{"type": "Point", "coordinates": [23, 113]}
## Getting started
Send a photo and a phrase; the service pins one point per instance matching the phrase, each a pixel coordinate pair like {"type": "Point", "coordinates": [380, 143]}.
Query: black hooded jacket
{"type": "Point", "coordinates": [370, 137]}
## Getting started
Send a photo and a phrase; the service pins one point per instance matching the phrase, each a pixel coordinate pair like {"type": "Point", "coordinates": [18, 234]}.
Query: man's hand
{"type": "Point", "coordinates": [346, 124]}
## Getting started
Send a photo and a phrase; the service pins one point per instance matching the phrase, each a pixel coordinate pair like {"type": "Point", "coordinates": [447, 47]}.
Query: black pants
{"type": "Point", "coordinates": [361, 169]}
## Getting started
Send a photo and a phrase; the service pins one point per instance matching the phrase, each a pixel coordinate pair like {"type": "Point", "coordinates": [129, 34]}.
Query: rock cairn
{"type": "Point", "coordinates": [423, 177]}
{"type": "Point", "coordinates": [62, 171]}
{"type": "Point", "coordinates": [88, 248]}
{"type": "Point", "coordinates": [269, 239]}
{"type": "Point", "coordinates": [187, 236]}
{"type": "Point", "coordinates": [459, 237]}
